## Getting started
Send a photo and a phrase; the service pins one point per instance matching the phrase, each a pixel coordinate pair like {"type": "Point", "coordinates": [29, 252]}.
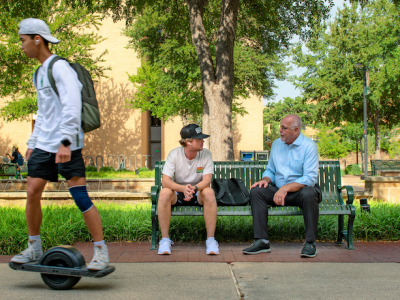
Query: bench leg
{"type": "Point", "coordinates": [340, 230]}
{"type": "Point", "coordinates": [350, 234]}
{"type": "Point", "coordinates": [154, 232]}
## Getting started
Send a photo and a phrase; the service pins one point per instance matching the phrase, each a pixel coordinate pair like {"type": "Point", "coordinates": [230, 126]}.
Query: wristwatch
{"type": "Point", "coordinates": [65, 143]}
{"type": "Point", "coordinates": [196, 189]}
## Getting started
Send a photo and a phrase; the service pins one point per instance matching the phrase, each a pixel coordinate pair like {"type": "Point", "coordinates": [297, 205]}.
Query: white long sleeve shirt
{"type": "Point", "coordinates": [58, 117]}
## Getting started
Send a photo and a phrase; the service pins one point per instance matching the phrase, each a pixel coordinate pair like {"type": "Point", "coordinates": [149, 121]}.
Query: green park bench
{"type": "Point", "coordinates": [251, 172]}
{"type": "Point", "coordinates": [10, 169]}
{"type": "Point", "coordinates": [387, 165]}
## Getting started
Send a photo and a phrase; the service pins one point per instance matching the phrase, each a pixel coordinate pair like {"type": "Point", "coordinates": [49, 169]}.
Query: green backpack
{"type": "Point", "coordinates": [90, 108]}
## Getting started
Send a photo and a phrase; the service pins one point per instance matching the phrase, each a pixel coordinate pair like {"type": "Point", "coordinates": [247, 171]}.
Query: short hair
{"type": "Point", "coordinates": [46, 42]}
{"type": "Point", "coordinates": [183, 142]}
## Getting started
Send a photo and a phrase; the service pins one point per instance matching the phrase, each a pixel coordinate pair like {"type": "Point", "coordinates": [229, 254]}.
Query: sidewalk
{"type": "Point", "coordinates": [366, 252]}
{"type": "Point", "coordinates": [369, 272]}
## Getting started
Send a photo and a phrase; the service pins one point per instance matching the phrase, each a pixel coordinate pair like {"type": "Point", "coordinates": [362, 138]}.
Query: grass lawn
{"type": "Point", "coordinates": [63, 224]}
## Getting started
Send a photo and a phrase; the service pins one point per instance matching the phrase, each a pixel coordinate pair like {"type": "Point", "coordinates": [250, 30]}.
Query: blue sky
{"type": "Point", "coordinates": [287, 89]}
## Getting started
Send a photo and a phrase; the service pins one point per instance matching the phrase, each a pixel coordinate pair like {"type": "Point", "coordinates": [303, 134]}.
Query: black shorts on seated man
{"type": "Point", "coordinates": [290, 179]}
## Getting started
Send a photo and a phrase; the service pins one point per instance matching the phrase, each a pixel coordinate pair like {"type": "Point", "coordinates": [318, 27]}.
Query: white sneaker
{"type": "Point", "coordinates": [32, 253]}
{"type": "Point", "coordinates": [100, 259]}
{"type": "Point", "coordinates": [165, 246]}
{"type": "Point", "coordinates": [212, 246]}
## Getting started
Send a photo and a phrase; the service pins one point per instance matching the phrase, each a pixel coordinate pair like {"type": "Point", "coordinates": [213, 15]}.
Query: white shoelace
{"type": "Point", "coordinates": [99, 256]}
{"type": "Point", "coordinates": [165, 241]}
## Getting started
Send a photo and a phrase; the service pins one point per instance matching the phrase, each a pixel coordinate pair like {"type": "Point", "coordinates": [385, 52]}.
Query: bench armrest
{"type": "Point", "coordinates": [350, 193]}
{"type": "Point", "coordinates": [154, 194]}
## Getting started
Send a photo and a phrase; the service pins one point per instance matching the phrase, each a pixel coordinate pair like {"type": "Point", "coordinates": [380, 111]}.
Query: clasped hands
{"type": "Point", "coordinates": [188, 192]}
{"type": "Point", "coordinates": [280, 195]}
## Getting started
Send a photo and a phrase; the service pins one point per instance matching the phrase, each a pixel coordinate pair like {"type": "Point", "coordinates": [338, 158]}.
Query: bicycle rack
{"type": "Point", "coordinates": [97, 166]}
{"type": "Point", "coordinates": [113, 161]}
{"type": "Point", "coordinates": [130, 162]}
{"type": "Point", "coordinates": [145, 163]}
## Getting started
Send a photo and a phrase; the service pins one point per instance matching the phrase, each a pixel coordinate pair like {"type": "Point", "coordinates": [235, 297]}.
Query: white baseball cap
{"type": "Point", "coordinates": [37, 26]}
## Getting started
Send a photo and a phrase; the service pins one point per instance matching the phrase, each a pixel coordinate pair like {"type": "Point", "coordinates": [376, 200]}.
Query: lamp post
{"type": "Point", "coordinates": [364, 68]}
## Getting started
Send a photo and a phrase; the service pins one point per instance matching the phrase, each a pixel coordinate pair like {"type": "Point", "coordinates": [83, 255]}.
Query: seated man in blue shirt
{"type": "Point", "coordinates": [290, 179]}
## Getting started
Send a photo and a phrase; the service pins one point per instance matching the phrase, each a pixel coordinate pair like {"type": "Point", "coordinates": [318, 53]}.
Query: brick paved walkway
{"type": "Point", "coordinates": [366, 252]}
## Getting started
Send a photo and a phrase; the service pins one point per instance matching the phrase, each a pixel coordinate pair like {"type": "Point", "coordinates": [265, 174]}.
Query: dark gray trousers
{"type": "Point", "coordinates": [307, 198]}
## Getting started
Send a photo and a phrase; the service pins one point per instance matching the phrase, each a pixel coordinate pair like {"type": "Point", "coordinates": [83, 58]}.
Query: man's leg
{"type": "Point", "coordinates": [91, 216]}
{"type": "Point", "coordinates": [307, 199]}
{"type": "Point", "coordinates": [206, 198]}
{"type": "Point", "coordinates": [260, 198]}
{"type": "Point", "coordinates": [167, 198]}
{"type": "Point", "coordinates": [33, 207]}
{"type": "Point", "coordinates": [33, 214]}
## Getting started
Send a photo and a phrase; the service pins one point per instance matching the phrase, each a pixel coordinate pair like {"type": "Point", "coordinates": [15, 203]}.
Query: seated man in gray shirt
{"type": "Point", "coordinates": [187, 175]}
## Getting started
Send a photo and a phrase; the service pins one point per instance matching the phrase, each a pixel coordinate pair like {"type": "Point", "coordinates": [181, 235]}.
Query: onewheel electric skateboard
{"type": "Point", "coordinates": [61, 268]}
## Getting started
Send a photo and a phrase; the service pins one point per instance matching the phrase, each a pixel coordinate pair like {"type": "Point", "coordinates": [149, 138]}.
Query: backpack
{"type": "Point", "coordinates": [20, 160]}
{"type": "Point", "coordinates": [90, 108]}
{"type": "Point", "coordinates": [231, 192]}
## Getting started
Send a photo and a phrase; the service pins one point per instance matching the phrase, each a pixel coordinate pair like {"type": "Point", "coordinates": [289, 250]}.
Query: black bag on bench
{"type": "Point", "coordinates": [230, 192]}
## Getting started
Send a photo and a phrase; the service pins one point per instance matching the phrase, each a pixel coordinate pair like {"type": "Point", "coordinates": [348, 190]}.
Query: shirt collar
{"type": "Point", "coordinates": [47, 61]}
{"type": "Point", "coordinates": [299, 140]}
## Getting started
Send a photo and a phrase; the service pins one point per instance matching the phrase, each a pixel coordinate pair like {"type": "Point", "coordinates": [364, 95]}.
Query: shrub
{"type": "Point", "coordinates": [353, 170]}
{"type": "Point", "coordinates": [142, 169]}
{"type": "Point", "coordinates": [91, 169]}
{"type": "Point", "coordinates": [107, 169]}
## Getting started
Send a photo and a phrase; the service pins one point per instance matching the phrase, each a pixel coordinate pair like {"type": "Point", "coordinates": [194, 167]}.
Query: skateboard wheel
{"type": "Point", "coordinates": [61, 256]}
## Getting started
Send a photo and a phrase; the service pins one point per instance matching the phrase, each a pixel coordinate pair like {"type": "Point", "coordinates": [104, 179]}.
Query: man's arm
{"type": "Point", "coordinates": [36, 130]}
{"type": "Point", "coordinates": [280, 195]}
{"type": "Point", "coordinates": [187, 190]}
{"type": "Point", "coordinates": [205, 182]}
{"type": "Point", "coordinates": [69, 90]}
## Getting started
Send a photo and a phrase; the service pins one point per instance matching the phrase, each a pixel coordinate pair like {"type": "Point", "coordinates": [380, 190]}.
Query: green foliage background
{"type": "Point", "coordinates": [16, 70]}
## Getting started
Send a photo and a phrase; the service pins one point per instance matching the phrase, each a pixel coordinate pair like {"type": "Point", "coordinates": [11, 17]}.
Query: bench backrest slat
{"type": "Point", "coordinates": [251, 171]}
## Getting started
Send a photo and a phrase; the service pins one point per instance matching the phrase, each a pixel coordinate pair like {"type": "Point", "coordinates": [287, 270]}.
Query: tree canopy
{"type": "Point", "coordinates": [369, 36]}
{"type": "Point", "coordinates": [68, 25]}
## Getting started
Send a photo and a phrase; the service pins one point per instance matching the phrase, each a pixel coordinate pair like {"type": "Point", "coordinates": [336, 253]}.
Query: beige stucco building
{"type": "Point", "coordinates": [126, 131]}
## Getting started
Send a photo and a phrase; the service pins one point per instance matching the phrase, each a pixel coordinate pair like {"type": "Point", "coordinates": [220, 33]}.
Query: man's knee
{"type": "Point", "coordinates": [309, 194]}
{"type": "Point", "coordinates": [208, 196]}
{"type": "Point", "coordinates": [165, 196]}
{"type": "Point", "coordinates": [81, 197]}
{"type": "Point", "coordinates": [258, 193]}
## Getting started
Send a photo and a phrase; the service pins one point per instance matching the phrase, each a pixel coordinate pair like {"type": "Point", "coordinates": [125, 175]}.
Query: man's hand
{"type": "Point", "coordinates": [188, 192]}
{"type": "Point", "coordinates": [261, 183]}
{"type": "Point", "coordinates": [280, 195]}
{"type": "Point", "coordinates": [63, 155]}
{"type": "Point", "coordinates": [28, 153]}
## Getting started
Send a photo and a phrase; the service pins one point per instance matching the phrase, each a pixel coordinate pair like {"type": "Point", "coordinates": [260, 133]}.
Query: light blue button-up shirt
{"type": "Point", "coordinates": [297, 162]}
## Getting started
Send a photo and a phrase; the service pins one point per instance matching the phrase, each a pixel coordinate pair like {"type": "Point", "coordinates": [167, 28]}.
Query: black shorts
{"type": "Point", "coordinates": [180, 202]}
{"type": "Point", "coordinates": [43, 165]}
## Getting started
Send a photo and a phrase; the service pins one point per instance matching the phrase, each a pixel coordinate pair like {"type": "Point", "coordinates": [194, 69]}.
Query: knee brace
{"type": "Point", "coordinates": [81, 197]}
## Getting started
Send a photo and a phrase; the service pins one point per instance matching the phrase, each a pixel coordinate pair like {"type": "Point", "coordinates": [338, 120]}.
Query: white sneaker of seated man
{"type": "Point", "coordinates": [165, 246]}
{"type": "Point", "coordinates": [33, 253]}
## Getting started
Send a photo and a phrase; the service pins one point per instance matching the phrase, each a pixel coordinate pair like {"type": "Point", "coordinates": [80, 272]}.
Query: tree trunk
{"type": "Point", "coordinates": [218, 83]}
{"type": "Point", "coordinates": [377, 135]}
{"type": "Point", "coordinates": [206, 123]}
{"type": "Point", "coordinates": [184, 120]}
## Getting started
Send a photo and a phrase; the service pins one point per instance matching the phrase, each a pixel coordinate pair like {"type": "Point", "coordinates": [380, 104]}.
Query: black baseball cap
{"type": "Point", "coordinates": [193, 131]}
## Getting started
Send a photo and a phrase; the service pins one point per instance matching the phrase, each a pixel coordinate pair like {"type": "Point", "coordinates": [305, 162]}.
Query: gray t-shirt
{"type": "Point", "coordinates": [185, 171]}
